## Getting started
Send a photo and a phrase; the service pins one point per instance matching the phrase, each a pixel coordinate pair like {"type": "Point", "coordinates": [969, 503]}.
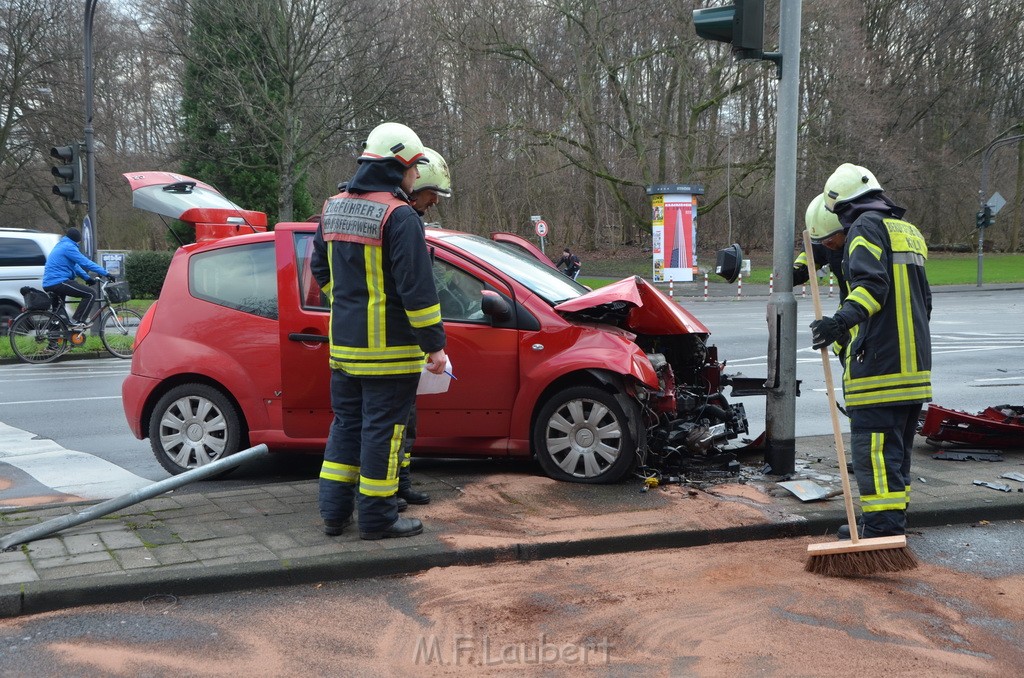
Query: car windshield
{"type": "Point", "coordinates": [548, 283]}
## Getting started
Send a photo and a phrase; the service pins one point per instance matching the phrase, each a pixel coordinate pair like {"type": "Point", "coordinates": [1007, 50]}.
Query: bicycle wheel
{"type": "Point", "coordinates": [117, 330]}
{"type": "Point", "coordinates": [39, 337]}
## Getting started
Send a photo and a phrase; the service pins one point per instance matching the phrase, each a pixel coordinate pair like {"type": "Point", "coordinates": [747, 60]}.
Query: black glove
{"type": "Point", "coordinates": [111, 278]}
{"type": "Point", "coordinates": [826, 332]}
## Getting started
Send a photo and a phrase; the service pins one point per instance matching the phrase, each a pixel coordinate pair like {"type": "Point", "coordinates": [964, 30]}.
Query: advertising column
{"type": "Point", "coordinates": [674, 230]}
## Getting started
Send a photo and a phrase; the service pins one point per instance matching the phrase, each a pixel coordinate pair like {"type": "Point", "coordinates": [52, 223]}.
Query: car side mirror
{"type": "Point", "coordinates": [494, 306]}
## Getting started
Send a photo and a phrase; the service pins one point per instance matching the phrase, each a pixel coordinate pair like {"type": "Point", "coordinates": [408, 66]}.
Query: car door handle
{"type": "Point", "coordinates": [299, 336]}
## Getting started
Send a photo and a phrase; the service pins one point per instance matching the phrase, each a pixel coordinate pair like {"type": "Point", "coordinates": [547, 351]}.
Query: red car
{"type": "Point", "coordinates": [234, 354]}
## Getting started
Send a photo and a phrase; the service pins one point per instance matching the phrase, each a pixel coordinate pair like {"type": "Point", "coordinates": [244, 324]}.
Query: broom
{"type": "Point", "coordinates": [857, 556]}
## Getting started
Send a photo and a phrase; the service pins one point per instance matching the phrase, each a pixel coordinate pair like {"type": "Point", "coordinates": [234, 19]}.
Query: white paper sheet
{"type": "Point", "coordinates": [436, 383]}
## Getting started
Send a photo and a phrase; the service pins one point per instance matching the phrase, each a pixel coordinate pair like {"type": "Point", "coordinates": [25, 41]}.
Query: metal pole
{"type": "Point", "coordinates": [983, 189]}
{"type": "Point", "coordinates": [99, 510]}
{"type": "Point", "coordinates": [780, 410]}
{"type": "Point", "coordinates": [90, 163]}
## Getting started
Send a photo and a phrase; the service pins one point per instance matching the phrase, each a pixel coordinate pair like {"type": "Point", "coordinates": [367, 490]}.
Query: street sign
{"type": "Point", "coordinates": [88, 239]}
{"type": "Point", "coordinates": [996, 202]}
{"type": "Point", "coordinates": [541, 227]}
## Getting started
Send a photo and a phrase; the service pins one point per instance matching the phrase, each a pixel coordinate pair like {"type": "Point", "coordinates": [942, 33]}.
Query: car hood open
{"type": "Point", "coordinates": [635, 305]}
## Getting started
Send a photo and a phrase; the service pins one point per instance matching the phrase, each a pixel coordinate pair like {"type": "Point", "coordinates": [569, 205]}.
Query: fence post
{"type": "Point", "coordinates": [705, 285]}
{"type": "Point", "coordinates": [739, 286]}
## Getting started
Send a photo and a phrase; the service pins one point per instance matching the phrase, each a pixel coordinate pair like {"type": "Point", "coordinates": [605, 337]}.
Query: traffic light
{"type": "Point", "coordinates": [70, 171]}
{"type": "Point", "coordinates": [985, 218]}
{"type": "Point", "coordinates": [740, 24]}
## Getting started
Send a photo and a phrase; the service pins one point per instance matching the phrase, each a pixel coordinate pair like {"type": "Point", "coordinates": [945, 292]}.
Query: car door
{"type": "Point", "coordinates": [304, 318]}
{"type": "Point", "coordinates": [474, 415]}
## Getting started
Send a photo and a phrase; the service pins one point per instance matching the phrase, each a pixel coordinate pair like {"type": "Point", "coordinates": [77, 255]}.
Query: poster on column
{"type": "Point", "coordinates": [673, 231]}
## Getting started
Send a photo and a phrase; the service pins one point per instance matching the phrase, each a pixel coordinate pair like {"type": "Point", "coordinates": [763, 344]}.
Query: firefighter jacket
{"type": "Point", "coordinates": [371, 259]}
{"type": "Point", "coordinates": [888, 304]}
{"type": "Point", "coordinates": [823, 256]}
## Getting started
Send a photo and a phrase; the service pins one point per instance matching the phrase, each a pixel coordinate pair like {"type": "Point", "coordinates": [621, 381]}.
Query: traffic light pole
{"type": "Point", "coordinates": [780, 410]}
{"type": "Point", "coordinates": [983, 189]}
{"type": "Point", "coordinates": [90, 163]}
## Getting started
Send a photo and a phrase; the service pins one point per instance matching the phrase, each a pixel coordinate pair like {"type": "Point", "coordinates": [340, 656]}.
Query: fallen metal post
{"type": "Point", "coordinates": [99, 510]}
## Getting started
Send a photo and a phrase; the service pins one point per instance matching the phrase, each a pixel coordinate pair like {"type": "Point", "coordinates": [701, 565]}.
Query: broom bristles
{"type": "Point", "coordinates": [861, 563]}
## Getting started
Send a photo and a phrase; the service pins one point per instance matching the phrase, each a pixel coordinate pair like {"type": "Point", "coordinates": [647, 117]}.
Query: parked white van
{"type": "Point", "coordinates": [23, 253]}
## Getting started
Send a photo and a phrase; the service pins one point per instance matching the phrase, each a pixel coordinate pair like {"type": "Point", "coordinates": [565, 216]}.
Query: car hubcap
{"type": "Point", "coordinates": [584, 438]}
{"type": "Point", "coordinates": [193, 432]}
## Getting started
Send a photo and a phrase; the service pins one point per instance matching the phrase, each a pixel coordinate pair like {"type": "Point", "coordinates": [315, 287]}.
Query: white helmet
{"type": "Point", "coordinates": [434, 175]}
{"type": "Point", "coordinates": [821, 224]}
{"type": "Point", "coordinates": [393, 141]}
{"type": "Point", "coordinates": [847, 183]}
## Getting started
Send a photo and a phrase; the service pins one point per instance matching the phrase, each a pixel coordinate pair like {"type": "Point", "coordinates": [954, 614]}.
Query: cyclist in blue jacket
{"type": "Point", "coordinates": [66, 262]}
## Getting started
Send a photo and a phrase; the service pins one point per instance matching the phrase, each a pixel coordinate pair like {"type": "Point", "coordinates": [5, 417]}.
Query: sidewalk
{"type": "Point", "coordinates": [192, 541]}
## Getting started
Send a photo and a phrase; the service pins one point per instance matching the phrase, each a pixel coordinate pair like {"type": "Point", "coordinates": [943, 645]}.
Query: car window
{"type": "Point", "coordinates": [546, 282]}
{"type": "Point", "coordinates": [243, 277]}
{"type": "Point", "coordinates": [21, 252]}
{"type": "Point", "coordinates": [460, 293]}
{"type": "Point", "coordinates": [312, 297]}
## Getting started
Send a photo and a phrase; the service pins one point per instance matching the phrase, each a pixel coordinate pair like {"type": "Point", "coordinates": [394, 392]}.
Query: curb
{"type": "Point", "coordinates": [48, 596]}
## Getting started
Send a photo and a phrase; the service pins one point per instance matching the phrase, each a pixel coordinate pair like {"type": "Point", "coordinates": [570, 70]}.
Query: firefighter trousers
{"type": "Point", "coordinates": [881, 440]}
{"type": "Point", "coordinates": [364, 448]}
{"type": "Point", "coordinates": [404, 475]}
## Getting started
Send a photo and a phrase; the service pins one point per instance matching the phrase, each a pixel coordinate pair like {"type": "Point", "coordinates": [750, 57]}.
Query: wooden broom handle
{"type": "Point", "coordinates": [830, 390]}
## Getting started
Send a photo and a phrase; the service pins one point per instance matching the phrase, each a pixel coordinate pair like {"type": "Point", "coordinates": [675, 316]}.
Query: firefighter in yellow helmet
{"type": "Point", "coordinates": [887, 366]}
{"type": "Point", "coordinates": [370, 258]}
{"type": "Point", "coordinates": [829, 238]}
{"type": "Point", "coordinates": [433, 183]}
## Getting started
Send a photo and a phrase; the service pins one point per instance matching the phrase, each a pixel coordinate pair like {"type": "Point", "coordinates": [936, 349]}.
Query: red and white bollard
{"type": "Point", "coordinates": [705, 286]}
{"type": "Point", "coordinates": [671, 291]}
{"type": "Point", "coordinates": [830, 283]}
{"type": "Point", "coordinates": [739, 286]}
{"type": "Point", "coordinates": [771, 284]}
{"type": "Point", "coordinates": [803, 290]}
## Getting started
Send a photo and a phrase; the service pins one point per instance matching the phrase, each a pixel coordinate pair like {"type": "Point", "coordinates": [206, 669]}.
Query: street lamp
{"type": "Point", "coordinates": [90, 163]}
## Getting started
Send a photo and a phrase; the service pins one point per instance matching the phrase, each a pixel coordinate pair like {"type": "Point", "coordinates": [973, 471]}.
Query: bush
{"type": "Point", "coordinates": [145, 272]}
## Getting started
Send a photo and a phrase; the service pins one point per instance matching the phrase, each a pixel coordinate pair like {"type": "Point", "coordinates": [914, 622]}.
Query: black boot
{"type": "Point", "coordinates": [413, 497]}
{"type": "Point", "coordinates": [402, 504]}
{"type": "Point", "coordinates": [403, 527]}
{"type": "Point", "coordinates": [332, 528]}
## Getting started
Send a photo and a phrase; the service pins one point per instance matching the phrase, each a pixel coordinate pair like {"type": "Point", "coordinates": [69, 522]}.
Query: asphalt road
{"type": "Point", "coordinates": [978, 354]}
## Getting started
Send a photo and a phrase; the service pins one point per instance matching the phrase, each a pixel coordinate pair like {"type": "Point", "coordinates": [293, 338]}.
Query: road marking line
{"type": "Point", "coordinates": [68, 471]}
{"type": "Point", "coordinates": [55, 400]}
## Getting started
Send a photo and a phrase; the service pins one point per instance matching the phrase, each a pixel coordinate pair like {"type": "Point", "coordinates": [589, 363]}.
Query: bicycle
{"type": "Point", "coordinates": [44, 332]}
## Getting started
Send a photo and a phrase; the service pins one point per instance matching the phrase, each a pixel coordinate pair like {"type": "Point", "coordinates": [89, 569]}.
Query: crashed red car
{"type": "Point", "coordinates": [234, 354]}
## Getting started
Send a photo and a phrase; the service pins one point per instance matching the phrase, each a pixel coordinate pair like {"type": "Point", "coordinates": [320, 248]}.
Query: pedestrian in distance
{"type": "Point", "coordinates": [371, 260]}
{"type": "Point", "coordinates": [571, 263]}
{"type": "Point", "coordinates": [433, 183]}
{"type": "Point", "coordinates": [887, 359]}
{"type": "Point", "coordinates": [63, 264]}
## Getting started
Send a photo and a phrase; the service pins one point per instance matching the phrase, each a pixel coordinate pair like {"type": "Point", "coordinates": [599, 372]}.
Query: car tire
{"type": "Point", "coordinates": [586, 435]}
{"type": "Point", "coordinates": [193, 425]}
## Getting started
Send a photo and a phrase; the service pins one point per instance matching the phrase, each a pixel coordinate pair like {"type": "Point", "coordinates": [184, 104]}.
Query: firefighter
{"type": "Point", "coordinates": [827, 251]}
{"type": "Point", "coordinates": [434, 182]}
{"type": "Point", "coordinates": [887, 367]}
{"type": "Point", "coordinates": [371, 259]}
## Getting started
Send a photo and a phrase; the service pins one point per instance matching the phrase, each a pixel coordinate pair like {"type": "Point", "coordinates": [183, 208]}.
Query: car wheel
{"type": "Point", "coordinates": [193, 425]}
{"type": "Point", "coordinates": [586, 435]}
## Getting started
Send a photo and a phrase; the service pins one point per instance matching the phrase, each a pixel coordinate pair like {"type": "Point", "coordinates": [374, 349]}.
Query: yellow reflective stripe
{"type": "Point", "coordinates": [904, 320]}
{"type": "Point", "coordinates": [342, 473]}
{"type": "Point", "coordinates": [801, 260]}
{"type": "Point", "coordinates": [424, 317]}
{"type": "Point", "coordinates": [861, 241]}
{"type": "Point", "coordinates": [905, 237]}
{"type": "Point", "coordinates": [892, 506]}
{"type": "Point", "coordinates": [376, 353]}
{"type": "Point", "coordinates": [404, 367]}
{"type": "Point", "coordinates": [920, 394]}
{"type": "Point", "coordinates": [376, 326]}
{"type": "Point", "coordinates": [394, 453]}
{"type": "Point", "coordinates": [888, 380]}
{"type": "Point", "coordinates": [861, 296]}
{"type": "Point", "coordinates": [878, 463]}
{"type": "Point", "coordinates": [378, 488]}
